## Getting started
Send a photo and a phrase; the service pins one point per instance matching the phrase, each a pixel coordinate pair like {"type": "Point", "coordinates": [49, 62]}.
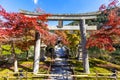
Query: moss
{"type": "Point", "coordinates": [97, 61]}
{"type": "Point", "coordinates": [5, 70]}
{"type": "Point", "coordinates": [96, 65]}
{"type": "Point", "coordinates": [27, 67]}
{"type": "Point", "coordinates": [99, 70]}
{"type": "Point", "coordinates": [77, 66]}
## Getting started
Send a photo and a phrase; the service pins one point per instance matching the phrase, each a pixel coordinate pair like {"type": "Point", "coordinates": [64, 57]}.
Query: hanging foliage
{"type": "Point", "coordinates": [16, 25]}
{"type": "Point", "coordinates": [109, 33]}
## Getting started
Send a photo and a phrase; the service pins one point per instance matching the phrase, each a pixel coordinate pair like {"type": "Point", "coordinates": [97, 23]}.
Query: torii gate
{"type": "Point", "coordinates": [67, 17]}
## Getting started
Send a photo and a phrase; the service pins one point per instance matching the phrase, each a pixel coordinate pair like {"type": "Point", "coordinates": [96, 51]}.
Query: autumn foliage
{"type": "Point", "coordinates": [62, 35]}
{"type": "Point", "coordinates": [17, 25]}
{"type": "Point", "coordinates": [109, 33]}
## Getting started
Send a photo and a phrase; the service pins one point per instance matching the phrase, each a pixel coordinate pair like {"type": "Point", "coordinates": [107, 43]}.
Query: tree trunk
{"type": "Point", "coordinates": [0, 49]}
{"type": "Point", "coordinates": [84, 50]}
{"type": "Point", "coordinates": [15, 57]}
{"type": "Point", "coordinates": [27, 55]}
{"type": "Point", "coordinates": [36, 53]}
{"type": "Point", "coordinates": [15, 64]}
{"type": "Point", "coordinates": [42, 55]}
{"type": "Point", "coordinates": [42, 48]}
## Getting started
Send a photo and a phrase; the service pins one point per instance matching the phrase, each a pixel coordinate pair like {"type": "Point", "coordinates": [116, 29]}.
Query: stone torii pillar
{"type": "Point", "coordinates": [83, 43]}
{"type": "Point", "coordinates": [36, 53]}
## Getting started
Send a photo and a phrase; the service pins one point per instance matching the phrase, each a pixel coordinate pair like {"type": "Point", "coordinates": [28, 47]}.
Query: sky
{"type": "Point", "coordinates": [53, 6]}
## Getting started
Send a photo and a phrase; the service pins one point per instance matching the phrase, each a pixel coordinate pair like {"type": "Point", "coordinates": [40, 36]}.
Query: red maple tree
{"type": "Point", "coordinates": [109, 34]}
{"type": "Point", "coordinates": [14, 25]}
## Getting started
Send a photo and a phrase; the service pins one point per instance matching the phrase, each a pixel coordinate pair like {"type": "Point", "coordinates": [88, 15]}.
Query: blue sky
{"type": "Point", "coordinates": [54, 6]}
